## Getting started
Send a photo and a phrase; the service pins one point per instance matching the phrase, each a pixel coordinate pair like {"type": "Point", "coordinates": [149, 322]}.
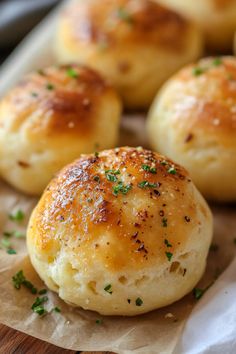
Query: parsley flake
{"type": "Point", "coordinates": [124, 15]}
{"type": "Point", "coordinates": [19, 279]}
{"type": "Point", "coordinates": [111, 175]}
{"type": "Point", "coordinates": [42, 292]}
{"type": "Point", "coordinates": [50, 86]}
{"type": "Point", "coordinates": [108, 289]}
{"type": "Point", "coordinates": [169, 255]}
{"type": "Point", "coordinates": [11, 251]}
{"type": "Point", "coordinates": [56, 309]}
{"type": "Point", "coordinates": [146, 184]}
{"type": "Point", "coordinates": [38, 306]}
{"type": "Point", "coordinates": [17, 216]}
{"type": "Point", "coordinates": [217, 61]}
{"type": "Point", "coordinates": [121, 188]}
{"type": "Point", "coordinates": [164, 222]}
{"type": "Point", "coordinates": [198, 71]}
{"type": "Point", "coordinates": [98, 321]}
{"type": "Point", "coordinates": [167, 243]}
{"type": "Point", "coordinates": [172, 171]}
{"type": "Point", "coordinates": [138, 302]}
{"type": "Point", "coordinates": [149, 169]}
{"type": "Point", "coordinates": [72, 73]}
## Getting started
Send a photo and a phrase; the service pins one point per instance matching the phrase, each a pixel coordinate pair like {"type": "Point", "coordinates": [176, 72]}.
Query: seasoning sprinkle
{"type": "Point", "coordinates": [217, 61]}
{"type": "Point", "coordinates": [96, 178]}
{"type": "Point", "coordinates": [38, 305]}
{"type": "Point", "coordinates": [120, 187]}
{"type": "Point", "coordinates": [169, 255]}
{"type": "Point", "coordinates": [50, 86]}
{"type": "Point", "coordinates": [138, 302]}
{"type": "Point", "coordinates": [146, 184]}
{"type": "Point", "coordinates": [172, 171]}
{"type": "Point", "coordinates": [11, 251]}
{"type": "Point", "coordinates": [17, 216]}
{"type": "Point", "coordinates": [198, 71]}
{"type": "Point", "coordinates": [19, 279]}
{"type": "Point", "coordinates": [149, 169]}
{"type": "Point", "coordinates": [72, 73]}
{"type": "Point", "coordinates": [111, 175]}
{"type": "Point", "coordinates": [108, 289]}
{"type": "Point", "coordinates": [56, 309]}
{"type": "Point", "coordinates": [167, 243]}
{"type": "Point", "coordinates": [98, 321]}
{"type": "Point", "coordinates": [164, 222]}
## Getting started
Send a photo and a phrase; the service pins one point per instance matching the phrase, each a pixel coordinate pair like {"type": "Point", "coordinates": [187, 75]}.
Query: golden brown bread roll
{"type": "Point", "coordinates": [137, 44]}
{"type": "Point", "coordinates": [193, 121]}
{"type": "Point", "coordinates": [216, 18]}
{"type": "Point", "coordinates": [50, 118]}
{"type": "Point", "coordinates": [121, 233]}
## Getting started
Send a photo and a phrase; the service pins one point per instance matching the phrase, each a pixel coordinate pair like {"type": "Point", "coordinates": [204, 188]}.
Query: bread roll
{"type": "Point", "coordinates": [136, 44]}
{"type": "Point", "coordinates": [216, 18]}
{"type": "Point", "coordinates": [193, 121]}
{"type": "Point", "coordinates": [49, 119]}
{"type": "Point", "coordinates": [121, 233]}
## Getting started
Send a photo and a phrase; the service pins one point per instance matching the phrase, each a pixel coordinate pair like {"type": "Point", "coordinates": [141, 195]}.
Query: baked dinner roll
{"type": "Point", "coordinates": [193, 121]}
{"type": "Point", "coordinates": [50, 118]}
{"type": "Point", "coordinates": [136, 44]}
{"type": "Point", "coordinates": [217, 19]}
{"type": "Point", "coordinates": [121, 233]}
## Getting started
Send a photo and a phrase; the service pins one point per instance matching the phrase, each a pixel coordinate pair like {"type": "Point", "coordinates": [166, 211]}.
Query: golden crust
{"type": "Point", "coordinates": [80, 212]}
{"type": "Point", "coordinates": [125, 22]}
{"type": "Point", "coordinates": [206, 100]}
{"type": "Point", "coordinates": [66, 97]}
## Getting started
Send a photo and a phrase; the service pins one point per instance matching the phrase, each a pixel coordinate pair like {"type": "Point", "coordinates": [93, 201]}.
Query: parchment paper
{"type": "Point", "coordinates": [156, 332]}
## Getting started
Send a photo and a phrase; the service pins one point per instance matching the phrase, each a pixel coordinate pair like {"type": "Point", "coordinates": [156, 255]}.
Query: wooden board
{"type": "Point", "coordinates": [14, 342]}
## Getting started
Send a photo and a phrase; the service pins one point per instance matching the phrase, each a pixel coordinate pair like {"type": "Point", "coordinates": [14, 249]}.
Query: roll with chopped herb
{"type": "Point", "coordinates": [50, 118]}
{"type": "Point", "coordinates": [193, 121]}
{"type": "Point", "coordinates": [216, 18]}
{"type": "Point", "coordinates": [137, 44]}
{"type": "Point", "coordinates": [121, 232]}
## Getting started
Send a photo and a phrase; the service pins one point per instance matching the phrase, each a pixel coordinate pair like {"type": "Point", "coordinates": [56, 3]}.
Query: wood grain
{"type": "Point", "coordinates": [14, 342]}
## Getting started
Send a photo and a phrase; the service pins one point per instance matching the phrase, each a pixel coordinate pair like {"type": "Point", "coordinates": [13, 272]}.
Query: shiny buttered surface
{"type": "Point", "coordinates": [50, 118]}
{"type": "Point", "coordinates": [193, 121]}
{"type": "Point", "coordinates": [216, 18]}
{"type": "Point", "coordinates": [121, 232]}
{"type": "Point", "coordinates": [136, 44]}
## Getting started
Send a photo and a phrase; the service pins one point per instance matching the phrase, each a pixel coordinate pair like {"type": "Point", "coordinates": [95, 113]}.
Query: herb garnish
{"type": "Point", "coordinates": [124, 15]}
{"type": "Point", "coordinates": [96, 178]}
{"type": "Point", "coordinates": [121, 188]}
{"type": "Point", "coordinates": [138, 302]}
{"type": "Point", "coordinates": [38, 306]}
{"type": "Point", "coordinates": [56, 309]}
{"type": "Point", "coordinates": [42, 292]}
{"type": "Point", "coordinates": [96, 154]}
{"type": "Point", "coordinates": [164, 163]}
{"type": "Point", "coordinates": [11, 251]}
{"type": "Point", "coordinates": [198, 71]}
{"type": "Point", "coordinates": [149, 169]}
{"type": "Point", "coordinates": [108, 289]}
{"type": "Point", "coordinates": [217, 61]}
{"type": "Point", "coordinates": [146, 184]}
{"type": "Point", "coordinates": [169, 256]}
{"type": "Point", "coordinates": [17, 216]}
{"type": "Point", "coordinates": [167, 243]}
{"type": "Point", "coordinates": [98, 321]}
{"type": "Point", "coordinates": [19, 279]}
{"type": "Point", "coordinates": [50, 86]}
{"type": "Point", "coordinates": [72, 73]}
{"type": "Point", "coordinates": [111, 175]}
{"type": "Point", "coordinates": [164, 222]}
{"type": "Point", "coordinates": [172, 171]}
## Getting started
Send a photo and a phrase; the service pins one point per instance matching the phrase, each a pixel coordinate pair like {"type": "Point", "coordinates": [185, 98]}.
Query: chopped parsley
{"type": "Point", "coordinates": [164, 222]}
{"type": "Point", "coordinates": [108, 289]}
{"type": "Point", "coordinates": [38, 305]}
{"type": "Point", "coordinates": [149, 169]}
{"type": "Point", "coordinates": [50, 86]}
{"type": "Point", "coordinates": [56, 309]}
{"type": "Point", "coordinates": [96, 178]}
{"type": "Point", "coordinates": [167, 243]}
{"type": "Point", "coordinates": [198, 71]}
{"type": "Point", "coordinates": [124, 15]}
{"type": "Point", "coordinates": [72, 73]}
{"type": "Point", "coordinates": [169, 255]}
{"type": "Point", "coordinates": [17, 216]}
{"type": "Point", "coordinates": [138, 302]}
{"type": "Point", "coordinates": [197, 293]}
{"type": "Point", "coordinates": [217, 61]}
{"type": "Point", "coordinates": [98, 321]}
{"type": "Point", "coordinates": [19, 279]}
{"type": "Point", "coordinates": [111, 175]}
{"type": "Point", "coordinates": [164, 163]}
{"type": "Point", "coordinates": [11, 251]}
{"type": "Point", "coordinates": [96, 154]}
{"type": "Point", "coordinates": [121, 188]}
{"type": "Point", "coordinates": [146, 184]}
{"type": "Point", "coordinates": [42, 292]}
{"type": "Point", "coordinates": [172, 171]}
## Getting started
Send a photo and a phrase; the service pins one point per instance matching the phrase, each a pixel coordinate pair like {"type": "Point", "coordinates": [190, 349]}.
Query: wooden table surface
{"type": "Point", "coordinates": [14, 342]}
